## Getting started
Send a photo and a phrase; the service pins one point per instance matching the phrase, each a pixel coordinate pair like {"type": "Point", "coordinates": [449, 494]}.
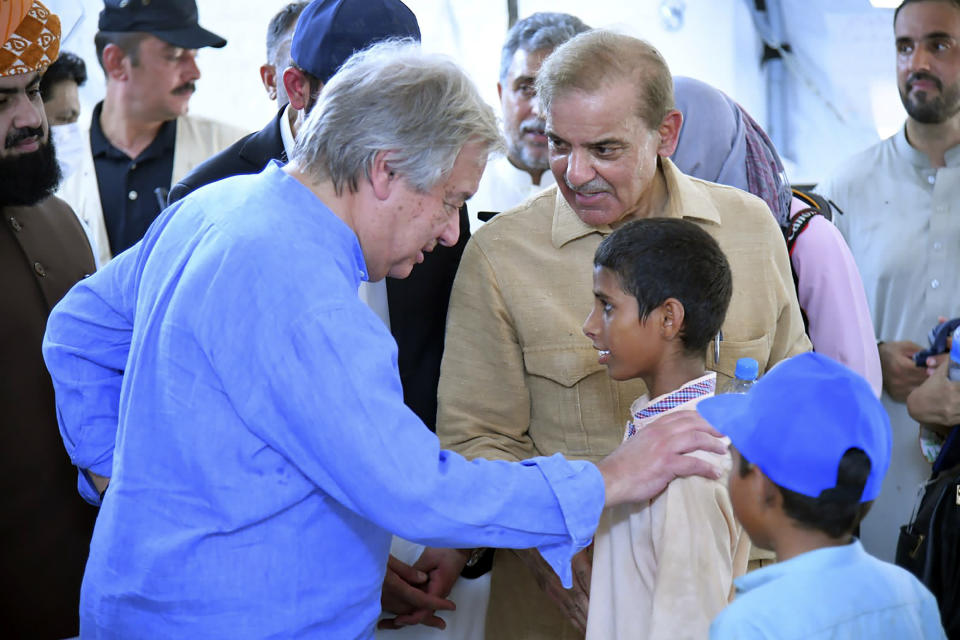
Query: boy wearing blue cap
{"type": "Point", "coordinates": [803, 481]}
{"type": "Point", "coordinates": [664, 568]}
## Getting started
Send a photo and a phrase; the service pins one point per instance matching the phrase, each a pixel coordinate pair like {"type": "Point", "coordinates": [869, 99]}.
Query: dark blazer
{"type": "Point", "coordinates": [47, 526]}
{"type": "Point", "coordinates": [418, 303]}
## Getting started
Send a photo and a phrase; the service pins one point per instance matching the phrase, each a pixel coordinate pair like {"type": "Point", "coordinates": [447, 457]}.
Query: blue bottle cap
{"type": "Point", "coordinates": [955, 346]}
{"type": "Point", "coordinates": [747, 369]}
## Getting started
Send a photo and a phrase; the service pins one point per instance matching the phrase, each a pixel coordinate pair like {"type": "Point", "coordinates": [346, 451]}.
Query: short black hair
{"type": "Point", "coordinates": [280, 25]}
{"type": "Point", "coordinates": [955, 3]}
{"type": "Point", "coordinates": [660, 258]}
{"type": "Point", "coordinates": [68, 66]}
{"type": "Point", "coordinates": [836, 511]}
{"type": "Point", "coordinates": [128, 41]}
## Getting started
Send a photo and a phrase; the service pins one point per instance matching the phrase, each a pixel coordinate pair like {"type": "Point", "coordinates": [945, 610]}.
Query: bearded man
{"type": "Point", "coordinates": [901, 204]}
{"type": "Point", "coordinates": [46, 527]}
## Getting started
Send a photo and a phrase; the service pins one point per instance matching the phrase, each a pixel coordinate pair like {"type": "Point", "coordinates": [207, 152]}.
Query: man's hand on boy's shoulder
{"type": "Point", "coordinates": [643, 466]}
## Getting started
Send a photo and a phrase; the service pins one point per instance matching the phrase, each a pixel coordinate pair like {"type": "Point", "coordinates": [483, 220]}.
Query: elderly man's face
{"type": "Point", "coordinates": [602, 154]}
{"type": "Point", "coordinates": [928, 60]}
{"type": "Point", "coordinates": [421, 221]}
{"type": "Point", "coordinates": [522, 126]}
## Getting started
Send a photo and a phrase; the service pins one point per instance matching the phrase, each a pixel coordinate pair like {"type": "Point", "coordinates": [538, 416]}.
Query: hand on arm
{"type": "Point", "coordinates": [900, 374]}
{"type": "Point", "coordinates": [575, 602]}
{"type": "Point", "coordinates": [416, 592]}
{"type": "Point", "coordinates": [644, 465]}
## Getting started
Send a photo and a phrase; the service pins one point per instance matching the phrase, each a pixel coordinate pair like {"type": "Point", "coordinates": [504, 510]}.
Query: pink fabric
{"type": "Point", "coordinates": [831, 294]}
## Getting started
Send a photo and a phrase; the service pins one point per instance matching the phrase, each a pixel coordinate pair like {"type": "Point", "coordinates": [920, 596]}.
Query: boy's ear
{"type": "Point", "coordinates": [772, 498]}
{"type": "Point", "coordinates": [671, 320]}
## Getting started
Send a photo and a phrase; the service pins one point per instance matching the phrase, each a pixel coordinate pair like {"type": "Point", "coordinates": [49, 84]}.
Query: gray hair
{"type": "Point", "coordinates": [394, 97]}
{"type": "Point", "coordinates": [598, 58]}
{"type": "Point", "coordinates": [280, 32]}
{"type": "Point", "coordinates": [544, 30]}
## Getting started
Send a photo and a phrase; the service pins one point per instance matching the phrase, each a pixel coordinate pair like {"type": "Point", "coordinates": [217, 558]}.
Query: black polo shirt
{"type": "Point", "coordinates": [127, 186]}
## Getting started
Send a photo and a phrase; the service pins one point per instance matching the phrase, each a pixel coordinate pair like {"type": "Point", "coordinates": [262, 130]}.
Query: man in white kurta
{"type": "Point", "coordinates": [900, 202]}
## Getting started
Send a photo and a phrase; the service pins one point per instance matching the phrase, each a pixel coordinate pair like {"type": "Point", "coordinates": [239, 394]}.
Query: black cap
{"type": "Point", "coordinates": [173, 21]}
{"type": "Point", "coordinates": [329, 31]}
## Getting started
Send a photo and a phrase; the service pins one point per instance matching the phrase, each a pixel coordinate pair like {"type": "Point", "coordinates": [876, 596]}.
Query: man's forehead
{"type": "Point", "coordinates": [527, 63]}
{"type": "Point", "coordinates": [928, 19]}
{"type": "Point", "coordinates": [9, 84]}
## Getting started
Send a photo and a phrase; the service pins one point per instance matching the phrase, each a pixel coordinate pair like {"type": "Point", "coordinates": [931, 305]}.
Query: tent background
{"type": "Point", "coordinates": [840, 89]}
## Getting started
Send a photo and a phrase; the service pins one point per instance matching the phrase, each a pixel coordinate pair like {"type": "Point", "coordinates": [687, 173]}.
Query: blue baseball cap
{"type": "Point", "coordinates": [798, 421]}
{"type": "Point", "coordinates": [330, 31]}
{"type": "Point", "coordinates": [173, 21]}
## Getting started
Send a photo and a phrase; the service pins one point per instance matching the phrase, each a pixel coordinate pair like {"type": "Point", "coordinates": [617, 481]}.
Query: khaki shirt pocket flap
{"type": "Point", "coordinates": [731, 351]}
{"type": "Point", "coordinates": [566, 367]}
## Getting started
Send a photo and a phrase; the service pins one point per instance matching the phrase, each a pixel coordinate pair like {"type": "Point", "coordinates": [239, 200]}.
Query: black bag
{"type": "Point", "coordinates": [929, 547]}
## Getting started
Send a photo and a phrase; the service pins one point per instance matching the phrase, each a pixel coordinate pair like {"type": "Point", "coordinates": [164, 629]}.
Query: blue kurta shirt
{"type": "Point", "coordinates": [831, 593]}
{"type": "Point", "coordinates": [263, 450]}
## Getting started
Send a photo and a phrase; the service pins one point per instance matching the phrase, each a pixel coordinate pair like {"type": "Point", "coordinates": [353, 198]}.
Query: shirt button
{"type": "Point", "coordinates": [15, 224]}
{"type": "Point", "coordinates": [931, 179]}
{"type": "Point", "coordinates": [935, 284]}
{"type": "Point", "coordinates": [132, 195]}
{"type": "Point", "coordinates": [938, 245]}
{"type": "Point", "coordinates": [133, 166]}
{"type": "Point", "coordinates": [39, 268]}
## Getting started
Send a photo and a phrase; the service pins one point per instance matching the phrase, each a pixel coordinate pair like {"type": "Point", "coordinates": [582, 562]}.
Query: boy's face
{"type": "Point", "coordinates": [630, 348]}
{"type": "Point", "coordinates": [747, 494]}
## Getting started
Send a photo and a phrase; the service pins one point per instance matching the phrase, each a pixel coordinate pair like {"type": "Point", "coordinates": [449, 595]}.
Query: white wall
{"type": "Point", "coordinates": [844, 47]}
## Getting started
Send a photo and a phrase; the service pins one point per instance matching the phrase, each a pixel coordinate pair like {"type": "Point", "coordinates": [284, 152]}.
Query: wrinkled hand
{"type": "Point", "coordinates": [645, 463]}
{"type": "Point", "coordinates": [900, 374]}
{"type": "Point", "coordinates": [574, 602]}
{"type": "Point", "coordinates": [416, 593]}
{"type": "Point", "coordinates": [936, 402]}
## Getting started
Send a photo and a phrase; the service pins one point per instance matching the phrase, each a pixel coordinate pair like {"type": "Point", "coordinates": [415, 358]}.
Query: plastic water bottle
{"type": "Point", "coordinates": [745, 376]}
{"type": "Point", "coordinates": [954, 370]}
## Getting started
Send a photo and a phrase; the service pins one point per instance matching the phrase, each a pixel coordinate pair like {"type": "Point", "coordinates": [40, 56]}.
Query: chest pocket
{"type": "Point", "coordinates": [731, 351]}
{"type": "Point", "coordinates": [575, 408]}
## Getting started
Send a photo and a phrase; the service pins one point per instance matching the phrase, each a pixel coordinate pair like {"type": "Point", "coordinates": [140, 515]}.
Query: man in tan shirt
{"type": "Point", "coordinates": [518, 378]}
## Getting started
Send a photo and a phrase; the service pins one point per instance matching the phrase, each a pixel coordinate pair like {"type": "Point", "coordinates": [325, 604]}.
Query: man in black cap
{"type": "Point", "coordinates": [415, 308]}
{"type": "Point", "coordinates": [141, 140]}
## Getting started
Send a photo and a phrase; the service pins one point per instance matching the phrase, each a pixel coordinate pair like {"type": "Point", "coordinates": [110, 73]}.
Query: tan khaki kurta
{"type": "Point", "coordinates": [664, 568]}
{"type": "Point", "coordinates": [519, 378]}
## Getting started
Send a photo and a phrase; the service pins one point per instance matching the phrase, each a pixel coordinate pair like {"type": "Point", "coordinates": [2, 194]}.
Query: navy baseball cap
{"type": "Point", "coordinates": [173, 21]}
{"type": "Point", "coordinates": [798, 421]}
{"type": "Point", "coordinates": [330, 31]}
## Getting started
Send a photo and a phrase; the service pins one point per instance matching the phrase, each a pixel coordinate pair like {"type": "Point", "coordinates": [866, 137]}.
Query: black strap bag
{"type": "Point", "coordinates": [929, 546]}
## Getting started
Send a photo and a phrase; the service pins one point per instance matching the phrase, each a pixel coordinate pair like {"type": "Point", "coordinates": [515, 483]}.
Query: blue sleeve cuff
{"type": "Point", "coordinates": [581, 508]}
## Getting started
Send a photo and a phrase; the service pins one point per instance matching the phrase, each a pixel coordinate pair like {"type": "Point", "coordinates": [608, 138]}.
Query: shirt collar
{"type": "Point", "coordinates": [684, 200]}
{"type": "Point", "coordinates": [165, 140]}
{"type": "Point", "coordinates": [303, 202]}
{"type": "Point", "coordinates": [816, 562]}
{"type": "Point", "coordinates": [286, 133]}
{"type": "Point", "coordinates": [696, 388]}
{"type": "Point", "coordinates": [917, 158]}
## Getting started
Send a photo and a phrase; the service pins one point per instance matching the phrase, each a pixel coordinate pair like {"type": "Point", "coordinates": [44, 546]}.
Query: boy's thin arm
{"type": "Point", "coordinates": [642, 467]}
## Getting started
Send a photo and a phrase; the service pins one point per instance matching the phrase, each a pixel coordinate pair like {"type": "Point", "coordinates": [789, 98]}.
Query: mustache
{"type": "Point", "coordinates": [186, 87]}
{"type": "Point", "coordinates": [18, 135]}
{"type": "Point", "coordinates": [533, 125]}
{"type": "Point", "coordinates": [923, 75]}
{"type": "Point", "coordinates": [596, 185]}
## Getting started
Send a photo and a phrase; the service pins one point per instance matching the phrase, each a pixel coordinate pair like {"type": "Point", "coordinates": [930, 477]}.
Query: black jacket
{"type": "Point", "coordinates": [418, 303]}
